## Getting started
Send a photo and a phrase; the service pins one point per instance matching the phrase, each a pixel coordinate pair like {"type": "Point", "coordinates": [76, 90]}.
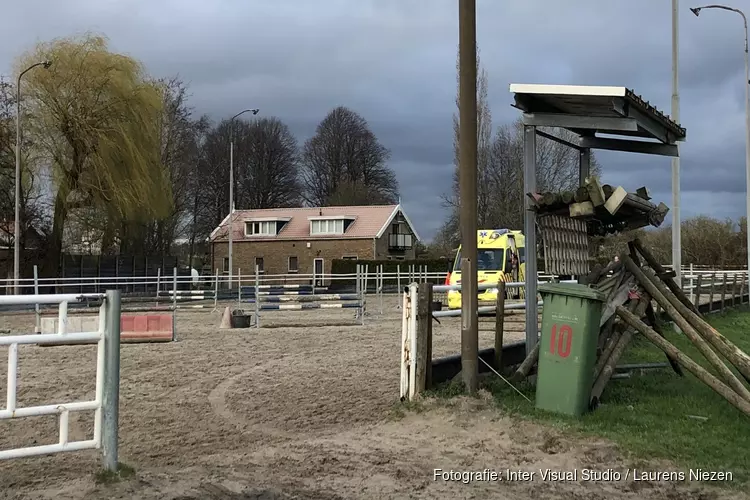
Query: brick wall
{"type": "Point", "coordinates": [276, 254]}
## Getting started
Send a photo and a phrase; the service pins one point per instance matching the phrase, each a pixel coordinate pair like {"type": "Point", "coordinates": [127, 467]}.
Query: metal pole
{"type": "Point", "coordinates": [111, 396]}
{"type": "Point", "coordinates": [468, 192]}
{"type": "Point", "coordinates": [676, 219]}
{"type": "Point", "coordinates": [174, 288]}
{"type": "Point", "coordinates": [747, 144]}
{"type": "Point", "coordinates": [37, 312]}
{"type": "Point", "coordinates": [17, 221]}
{"type": "Point", "coordinates": [257, 297]}
{"type": "Point", "coordinates": [231, 199]}
{"type": "Point", "coordinates": [531, 275]}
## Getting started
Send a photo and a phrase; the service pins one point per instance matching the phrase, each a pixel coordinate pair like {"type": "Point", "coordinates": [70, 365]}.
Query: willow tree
{"type": "Point", "coordinates": [95, 116]}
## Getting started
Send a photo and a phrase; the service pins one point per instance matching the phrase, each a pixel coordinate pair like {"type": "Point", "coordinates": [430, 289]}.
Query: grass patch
{"type": "Point", "coordinates": [124, 472]}
{"type": "Point", "coordinates": [649, 416]}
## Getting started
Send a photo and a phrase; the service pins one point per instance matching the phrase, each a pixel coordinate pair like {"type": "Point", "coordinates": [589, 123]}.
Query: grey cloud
{"type": "Point", "coordinates": [393, 61]}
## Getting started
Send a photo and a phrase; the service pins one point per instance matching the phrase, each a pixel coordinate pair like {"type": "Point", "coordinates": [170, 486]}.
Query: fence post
{"type": "Point", "coordinates": [256, 297]}
{"type": "Point", "coordinates": [742, 289]}
{"type": "Point", "coordinates": [698, 285]}
{"type": "Point", "coordinates": [111, 389]}
{"type": "Point", "coordinates": [239, 288]}
{"type": "Point", "coordinates": [723, 292]}
{"type": "Point", "coordinates": [424, 336]}
{"type": "Point", "coordinates": [380, 288]}
{"type": "Point", "coordinates": [734, 290]}
{"type": "Point", "coordinates": [216, 290]}
{"type": "Point", "coordinates": [413, 348]}
{"type": "Point", "coordinates": [711, 294]}
{"type": "Point", "coordinates": [37, 311]}
{"type": "Point", "coordinates": [692, 284]}
{"type": "Point", "coordinates": [158, 284]}
{"type": "Point", "coordinates": [499, 325]}
{"type": "Point", "coordinates": [174, 289]}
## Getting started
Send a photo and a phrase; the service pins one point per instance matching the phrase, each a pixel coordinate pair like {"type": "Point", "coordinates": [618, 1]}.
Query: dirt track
{"type": "Point", "coordinates": [282, 413]}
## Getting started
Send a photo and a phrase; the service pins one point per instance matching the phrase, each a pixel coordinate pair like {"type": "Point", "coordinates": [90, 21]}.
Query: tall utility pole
{"type": "Point", "coordinates": [746, 83]}
{"type": "Point", "coordinates": [676, 220]}
{"type": "Point", "coordinates": [231, 188]}
{"type": "Point", "coordinates": [17, 222]}
{"type": "Point", "coordinates": [467, 171]}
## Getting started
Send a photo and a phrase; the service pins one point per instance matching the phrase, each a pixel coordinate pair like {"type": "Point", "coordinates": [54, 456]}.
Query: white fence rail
{"type": "Point", "coordinates": [106, 397]}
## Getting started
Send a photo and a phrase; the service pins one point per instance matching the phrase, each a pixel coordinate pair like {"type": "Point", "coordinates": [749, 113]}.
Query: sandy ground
{"type": "Point", "coordinates": [281, 413]}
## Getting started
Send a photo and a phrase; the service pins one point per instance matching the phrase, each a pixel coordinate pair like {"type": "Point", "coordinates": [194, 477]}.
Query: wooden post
{"type": "Point", "coordinates": [734, 290]}
{"type": "Point", "coordinates": [654, 264]}
{"type": "Point", "coordinates": [711, 294]}
{"type": "Point", "coordinates": [723, 292]}
{"type": "Point", "coordinates": [681, 316]}
{"type": "Point", "coordinates": [424, 330]}
{"type": "Point", "coordinates": [527, 364]}
{"type": "Point", "coordinates": [499, 326]}
{"type": "Point", "coordinates": [698, 286]}
{"type": "Point", "coordinates": [742, 289]}
{"type": "Point", "coordinates": [693, 367]}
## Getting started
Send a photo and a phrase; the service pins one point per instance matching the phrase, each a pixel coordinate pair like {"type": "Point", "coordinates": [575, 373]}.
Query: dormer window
{"type": "Point", "coordinates": [321, 226]}
{"type": "Point", "coordinates": [264, 227]}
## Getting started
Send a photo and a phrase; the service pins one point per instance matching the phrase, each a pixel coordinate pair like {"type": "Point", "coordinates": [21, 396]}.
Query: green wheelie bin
{"type": "Point", "coordinates": [567, 350]}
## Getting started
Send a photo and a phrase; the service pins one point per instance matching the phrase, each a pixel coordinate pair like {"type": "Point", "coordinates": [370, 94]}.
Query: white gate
{"type": "Point", "coordinates": [105, 402]}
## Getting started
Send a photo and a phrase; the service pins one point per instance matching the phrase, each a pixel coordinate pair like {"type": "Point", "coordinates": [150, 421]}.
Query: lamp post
{"type": "Point", "coordinates": [231, 185]}
{"type": "Point", "coordinates": [17, 222]}
{"type": "Point", "coordinates": [676, 202]}
{"type": "Point", "coordinates": [696, 11]}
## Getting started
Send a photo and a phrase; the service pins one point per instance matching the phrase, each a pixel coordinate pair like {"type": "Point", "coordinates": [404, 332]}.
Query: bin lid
{"type": "Point", "coordinates": [572, 290]}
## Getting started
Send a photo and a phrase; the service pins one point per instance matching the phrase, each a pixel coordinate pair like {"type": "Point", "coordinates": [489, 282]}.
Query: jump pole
{"type": "Point", "coordinates": [255, 295]}
{"type": "Point", "coordinates": [398, 282]}
{"type": "Point", "coordinates": [37, 311]}
{"type": "Point", "coordinates": [216, 290]}
{"type": "Point", "coordinates": [239, 287]}
{"type": "Point", "coordinates": [158, 284]}
{"type": "Point", "coordinates": [174, 298]}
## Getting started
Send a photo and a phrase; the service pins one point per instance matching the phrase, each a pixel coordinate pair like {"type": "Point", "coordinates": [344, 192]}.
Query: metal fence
{"type": "Point", "coordinates": [105, 403]}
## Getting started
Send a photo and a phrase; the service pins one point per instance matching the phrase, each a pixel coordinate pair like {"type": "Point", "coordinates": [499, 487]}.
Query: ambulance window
{"type": "Point", "coordinates": [522, 254]}
{"type": "Point", "coordinates": [457, 262]}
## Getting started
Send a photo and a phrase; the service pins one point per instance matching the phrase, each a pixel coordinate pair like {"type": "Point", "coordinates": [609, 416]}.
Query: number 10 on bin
{"type": "Point", "coordinates": [560, 340]}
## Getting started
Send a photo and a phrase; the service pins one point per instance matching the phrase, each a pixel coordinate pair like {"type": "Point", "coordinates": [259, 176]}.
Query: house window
{"type": "Point", "coordinates": [259, 264]}
{"type": "Point", "coordinates": [396, 228]}
{"type": "Point", "coordinates": [225, 265]}
{"type": "Point", "coordinates": [350, 257]}
{"type": "Point", "coordinates": [260, 228]}
{"type": "Point", "coordinates": [327, 226]}
{"type": "Point", "coordinates": [293, 264]}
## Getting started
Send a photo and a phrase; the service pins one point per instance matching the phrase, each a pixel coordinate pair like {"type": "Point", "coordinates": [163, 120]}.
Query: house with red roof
{"type": "Point", "coordinates": [307, 240]}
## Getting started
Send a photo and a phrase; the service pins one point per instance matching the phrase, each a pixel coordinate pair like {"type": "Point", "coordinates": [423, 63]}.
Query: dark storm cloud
{"type": "Point", "coordinates": [393, 61]}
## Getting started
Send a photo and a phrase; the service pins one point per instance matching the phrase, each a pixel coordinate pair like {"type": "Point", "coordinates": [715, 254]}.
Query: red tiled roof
{"type": "Point", "coordinates": [368, 222]}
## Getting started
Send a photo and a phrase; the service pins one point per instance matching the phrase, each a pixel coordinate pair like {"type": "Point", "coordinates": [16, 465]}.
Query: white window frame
{"type": "Point", "coordinates": [260, 228]}
{"type": "Point", "coordinates": [322, 227]}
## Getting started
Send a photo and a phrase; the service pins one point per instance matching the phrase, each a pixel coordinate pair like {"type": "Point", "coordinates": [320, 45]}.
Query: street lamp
{"type": "Point", "coordinates": [231, 185]}
{"type": "Point", "coordinates": [17, 222]}
{"type": "Point", "coordinates": [696, 11]}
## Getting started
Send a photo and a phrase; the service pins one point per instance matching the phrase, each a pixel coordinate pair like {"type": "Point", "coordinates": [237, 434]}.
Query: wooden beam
{"type": "Point", "coordinates": [615, 201]}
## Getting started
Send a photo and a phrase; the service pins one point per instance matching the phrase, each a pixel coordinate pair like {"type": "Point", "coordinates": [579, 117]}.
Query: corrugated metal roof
{"type": "Point", "coordinates": [596, 101]}
{"type": "Point", "coordinates": [369, 222]}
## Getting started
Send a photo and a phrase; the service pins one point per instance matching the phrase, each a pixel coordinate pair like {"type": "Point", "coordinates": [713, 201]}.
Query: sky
{"type": "Point", "coordinates": [393, 61]}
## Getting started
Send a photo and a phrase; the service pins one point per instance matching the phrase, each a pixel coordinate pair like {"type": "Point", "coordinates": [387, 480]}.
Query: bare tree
{"type": "Point", "coordinates": [344, 153]}
{"type": "Point", "coordinates": [266, 159]}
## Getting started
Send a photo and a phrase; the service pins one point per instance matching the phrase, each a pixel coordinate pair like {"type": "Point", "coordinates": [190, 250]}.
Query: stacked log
{"type": "Point", "coordinates": [608, 209]}
{"type": "Point", "coordinates": [632, 289]}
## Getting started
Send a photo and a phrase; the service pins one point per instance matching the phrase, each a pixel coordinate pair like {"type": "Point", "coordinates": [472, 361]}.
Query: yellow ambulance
{"type": "Point", "coordinates": [500, 257]}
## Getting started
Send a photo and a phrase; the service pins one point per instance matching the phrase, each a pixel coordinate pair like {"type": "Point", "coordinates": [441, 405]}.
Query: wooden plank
{"type": "Point", "coordinates": [701, 373]}
{"type": "Point", "coordinates": [711, 294]}
{"type": "Point", "coordinates": [424, 325]}
{"type": "Point", "coordinates": [499, 326]}
{"type": "Point", "coordinates": [583, 209]}
{"type": "Point", "coordinates": [615, 201]}
{"type": "Point", "coordinates": [723, 292]}
{"type": "Point", "coordinates": [697, 291]}
{"type": "Point", "coordinates": [596, 193]}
